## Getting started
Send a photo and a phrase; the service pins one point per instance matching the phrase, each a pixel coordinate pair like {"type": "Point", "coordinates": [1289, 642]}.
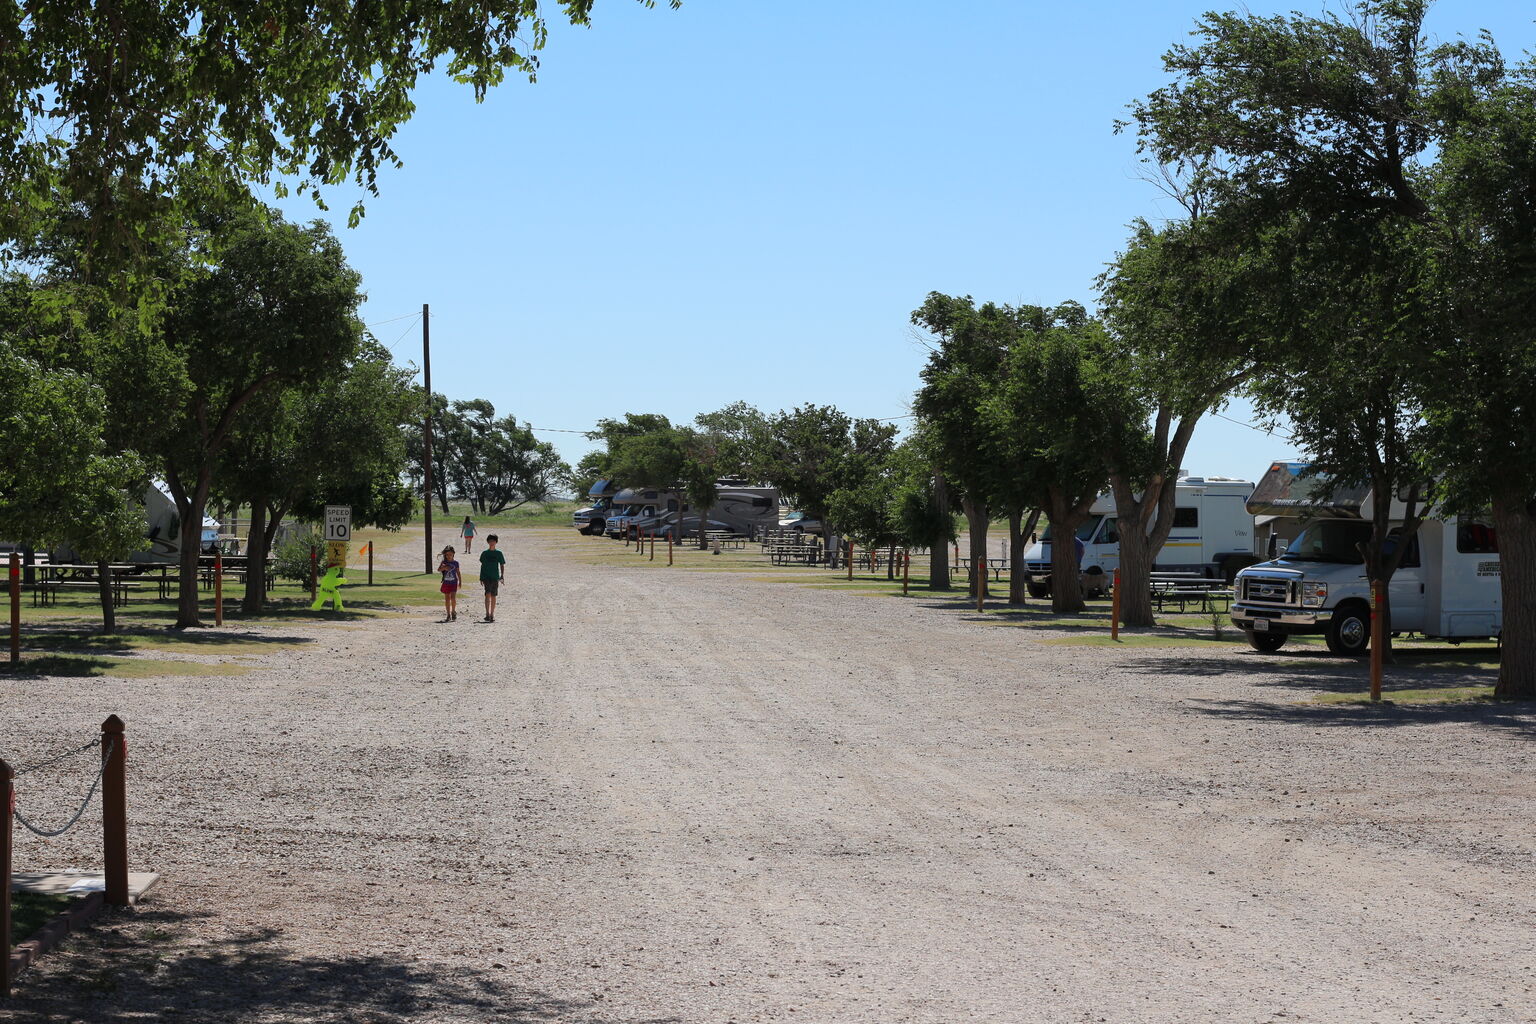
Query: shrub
{"type": "Point", "coordinates": [291, 559]}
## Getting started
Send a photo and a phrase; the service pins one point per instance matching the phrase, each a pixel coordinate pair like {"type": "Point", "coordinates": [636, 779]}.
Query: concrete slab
{"type": "Point", "coordinates": [76, 883]}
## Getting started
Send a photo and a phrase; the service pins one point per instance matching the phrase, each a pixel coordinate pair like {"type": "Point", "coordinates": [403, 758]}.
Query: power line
{"type": "Point", "coordinates": [1250, 426]}
{"type": "Point", "coordinates": [402, 316]}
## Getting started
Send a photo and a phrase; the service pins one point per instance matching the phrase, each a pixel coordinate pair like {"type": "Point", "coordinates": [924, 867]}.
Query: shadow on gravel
{"type": "Point", "coordinates": [1388, 715]}
{"type": "Point", "coordinates": [1319, 670]}
{"type": "Point", "coordinates": [134, 968]}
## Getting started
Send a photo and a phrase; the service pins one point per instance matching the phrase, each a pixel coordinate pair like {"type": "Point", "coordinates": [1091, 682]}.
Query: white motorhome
{"type": "Point", "coordinates": [1446, 587]}
{"type": "Point", "coordinates": [738, 508]}
{"type": "Point", "coordinates": [162, 531]}
{"type": "Point", "coordinates": [1212, 534]}
{"type": "Point", "coordinates": [593, 519]}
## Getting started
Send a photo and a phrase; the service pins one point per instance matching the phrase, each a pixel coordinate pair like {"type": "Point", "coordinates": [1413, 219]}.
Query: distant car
{"type": "Point", "coordinates": [800, 523]}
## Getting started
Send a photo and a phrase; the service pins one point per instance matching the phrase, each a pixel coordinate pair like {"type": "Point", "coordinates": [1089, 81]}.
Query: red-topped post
{"type": "Point", "coordinates": [7, 803]}
{"type": "Point", "coordinates": [114, 810]}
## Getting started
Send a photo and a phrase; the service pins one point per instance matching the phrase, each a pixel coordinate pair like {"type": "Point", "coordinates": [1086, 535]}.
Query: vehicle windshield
{"type": "Point", "coordinates": [1084, 532]}
{"type": "Point", "coordinates": [602, 503]}
{"type": "Point", "coordinates": [1331, 540]}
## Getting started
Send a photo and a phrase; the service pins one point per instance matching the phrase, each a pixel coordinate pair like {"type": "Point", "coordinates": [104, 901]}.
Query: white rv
{"type": "Point", "coordinates": [737, 508]}
{"type": "Point", "coordinates": [593, 519]}
{"type": "Point", "coordinates": [1447, 586]}
{"type": "Point", "coordinates": [1212, 534]}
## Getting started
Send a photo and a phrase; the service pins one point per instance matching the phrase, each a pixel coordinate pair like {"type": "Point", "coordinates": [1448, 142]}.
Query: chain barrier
{"type": "Point", "coordinates": [49, 762]}
{"type": "Point", "coordinates": [95, 783]}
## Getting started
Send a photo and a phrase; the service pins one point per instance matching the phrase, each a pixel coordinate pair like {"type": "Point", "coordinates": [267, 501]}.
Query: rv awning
{"type": "Point", "coordinates": [1288, 490]}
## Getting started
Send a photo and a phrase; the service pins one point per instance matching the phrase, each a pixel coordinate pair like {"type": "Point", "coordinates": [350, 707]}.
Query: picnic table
{"type": "Point", "coordinates": [1186, 588]}
{"type": "Point", "coordinates": [997, 566]}
{"type": "Point", "coordinates": [794, 554]}
{"type": "Point", "coordinates": [53, 577]}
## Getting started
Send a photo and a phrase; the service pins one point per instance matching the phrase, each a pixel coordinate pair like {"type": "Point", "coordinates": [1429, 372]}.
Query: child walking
{"type": "Point", "coordinates": [493, 570]}
{"type": "Point", "coordinates": [467, 531]}
{"type": "Point", "coordinates": [449, 568]}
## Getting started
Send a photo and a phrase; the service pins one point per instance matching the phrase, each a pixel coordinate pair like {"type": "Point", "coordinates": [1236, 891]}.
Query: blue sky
{"type": "Point", "coordinates": [742, 200]}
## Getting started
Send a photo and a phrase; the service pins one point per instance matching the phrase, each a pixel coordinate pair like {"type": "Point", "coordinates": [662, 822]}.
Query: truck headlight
{"type": "Point", "coordinates": [1314, 595]}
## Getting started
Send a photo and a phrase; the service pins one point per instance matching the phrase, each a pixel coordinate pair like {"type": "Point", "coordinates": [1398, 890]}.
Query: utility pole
{"type": "Point", "coordinates": [426, 432]}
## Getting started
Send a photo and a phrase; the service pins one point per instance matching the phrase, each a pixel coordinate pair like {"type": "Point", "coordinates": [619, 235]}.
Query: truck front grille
{"type": "Point", "coordinates": [1264, 591]}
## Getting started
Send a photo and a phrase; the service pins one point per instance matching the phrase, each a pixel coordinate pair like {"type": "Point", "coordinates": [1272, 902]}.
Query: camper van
{"type": "Point", "coordinates": [1212, 535]}
{"type": "Point", "coordinates": [593, 518]}
{"type": "Point", "coordinates": [1446, 587]}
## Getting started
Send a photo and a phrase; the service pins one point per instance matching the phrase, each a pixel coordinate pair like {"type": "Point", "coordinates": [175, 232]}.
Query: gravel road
{"type": "Point", "coordinates": [745, 801]}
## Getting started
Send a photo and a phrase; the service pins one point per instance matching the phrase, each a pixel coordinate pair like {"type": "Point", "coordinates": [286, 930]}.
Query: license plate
{"type": "Point", "coordinates": [1261, 625]}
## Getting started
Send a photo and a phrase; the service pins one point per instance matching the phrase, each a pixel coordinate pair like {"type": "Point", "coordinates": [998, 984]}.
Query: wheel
{"type": "Point", "coordinates": [597, 528]}
{"type": "Point", "coordinates": [1039, 591]}
{"type": "Point", "coordinates": [1264, 641]}
{"type": "Point", "coordinates": [1349, 631]}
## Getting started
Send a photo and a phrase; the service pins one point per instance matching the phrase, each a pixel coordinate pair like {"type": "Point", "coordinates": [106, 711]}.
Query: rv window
{"type": "Point", "coordinates": [1475, 535]}
{"type": "Point", "coordinates": [671, 504]}
{"type": "Point", "coordinates": [1411, 557]}
{"type": "Point", "coordinates": [1186, 518]}
{"type": "Point", "coordinates": [1084, 532]}
{"type": "Point", "coordinates": [1109, 535]}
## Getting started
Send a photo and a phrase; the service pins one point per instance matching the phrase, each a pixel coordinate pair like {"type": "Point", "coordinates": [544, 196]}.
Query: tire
{"type": "Point", "coordinates": [1349, 631]}
{"type": "Point", "coordinates": [1096, 584]}
{"type": "Point", "coordinates": [1039, 591]}
{"type": "Point", "coordinates": [1267, 642]}
{"type": "Point", "coordinates": [596, 528]}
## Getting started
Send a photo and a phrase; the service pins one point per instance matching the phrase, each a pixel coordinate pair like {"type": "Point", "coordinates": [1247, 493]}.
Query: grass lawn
{"type": "Point", "coordinates": [1432, 695]}
{"type": "Point", "coordinates": [31, 910]}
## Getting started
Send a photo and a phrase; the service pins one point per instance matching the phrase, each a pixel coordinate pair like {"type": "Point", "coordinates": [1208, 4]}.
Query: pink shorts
{"type": "Point", "coordinates": [450, 588]}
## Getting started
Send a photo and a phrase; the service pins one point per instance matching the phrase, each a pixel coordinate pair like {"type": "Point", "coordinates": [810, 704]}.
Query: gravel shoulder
{"type": "Point", "coordinates": [745, 801]}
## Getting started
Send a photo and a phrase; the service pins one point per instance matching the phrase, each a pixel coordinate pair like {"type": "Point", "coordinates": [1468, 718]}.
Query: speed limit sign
{"type": "Point", "coordinates": [338, 523]}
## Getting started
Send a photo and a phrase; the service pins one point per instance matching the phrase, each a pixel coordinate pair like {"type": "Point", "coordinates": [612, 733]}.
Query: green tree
{"type": "Point", "coordinates": [497, 464]}
{"type": "Point", "coordinates": [125, 117]}
{"type": "Point", "coordinates": [1319, 127]}
{"type": "Point", "coordinates": [1481, 422]}
{"type": "Point", "coordinates": [61, 483]}
{"type": "Point", "coordinates": [920, 514]}
{"type": "Point", "coordinates": [1044, 416]}
{"type": "Point", "coordinates": [807, 452]}
{"type": "Point", "coordinates": [333, 439]}
{"type": "Point", "coordinates": [279, 308]}
{"type": "Point", "coordinates": [1174, 302]}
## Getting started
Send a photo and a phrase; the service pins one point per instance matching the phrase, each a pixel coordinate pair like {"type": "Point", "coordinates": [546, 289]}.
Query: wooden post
{"type": "Point", "coordinates": [1378, 638]}
{"type": "Point", "coordinates": [850, 559]}
{"type": "Point", "coordinates": [426, 427]}
{"type": "Point", "coordinates": [312, 577]}
{"type": "Point", "coordinates": [906, 572]}
{"type": "Point", "coordinates": [15, 575]}
{"type": "Point", "coordinates": [669, 549]}
{"type": "Point", "coordinates": [114, 810]}
{"type": "Point", "coordinates": [370, 563]}
{"type": "Point", "coordinates": [7, 801]}
{"type": "Point", "coordinates": [218, 588]}
{"type": "Point", "coordinates": [653, 545]}
{"type": "Point", "coordinates": [1114, 610]}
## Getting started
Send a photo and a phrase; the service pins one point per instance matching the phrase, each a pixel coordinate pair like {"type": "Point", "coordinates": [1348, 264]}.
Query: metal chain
{"type": "Point", "coordinates": [46, 834]}
{"type": "Point", "coordinates": [48, 762]}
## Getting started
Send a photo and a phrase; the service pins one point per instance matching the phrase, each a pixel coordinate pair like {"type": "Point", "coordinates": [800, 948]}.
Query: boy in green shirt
{"type": "Point", "coordinates": [493, 569]}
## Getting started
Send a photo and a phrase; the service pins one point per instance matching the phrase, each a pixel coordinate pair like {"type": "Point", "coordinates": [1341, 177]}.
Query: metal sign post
{"type": "Point", "coordinates": [338, 534]}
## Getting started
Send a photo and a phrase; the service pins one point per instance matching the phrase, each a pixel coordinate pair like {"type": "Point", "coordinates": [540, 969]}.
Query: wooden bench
{"type": "Point", "coordinates": [46, 592]}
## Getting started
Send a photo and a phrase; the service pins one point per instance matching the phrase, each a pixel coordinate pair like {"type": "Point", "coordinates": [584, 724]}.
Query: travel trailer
{"type": "Point", "coordinates": [162, 531]}
{"type": "Point", "coordinates": [1212, 534]}
{"type": "Point", "coordinates": [1447, 586]}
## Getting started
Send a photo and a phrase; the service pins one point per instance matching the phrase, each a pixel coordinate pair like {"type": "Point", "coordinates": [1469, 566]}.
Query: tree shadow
{"type": "Point", "coordinates": [135, 966]}
{"type": "Point", "coordinates": [1305, 668]}
{"type": "Point", "coordinates": [60, 638]}
{"type": "Point", "coordinates": [1517, 718]}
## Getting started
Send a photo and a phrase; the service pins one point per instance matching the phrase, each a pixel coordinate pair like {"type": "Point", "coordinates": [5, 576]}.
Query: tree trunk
{"type": "Point", "coordinates": [1016, 556]}
{"type": "Point", "coordinates": [703, 525]}
{"type": "Point", "coordinates": [938, 554]}
{"type": "Point", "coordinates": [1135, 575]}
{"type": "Point", "coordinates": [1517, 588]}
{"type": "Point", "coordinates": [1018, 584]}
{"type": "Point", "coordinates": [255, 598]}
{"type": "Point", "coordinates": [104, 585]}
{"type": "Point", "coordinates": [192, 508]}
{"type": "Point", "coordinates": [976, 518]}
{"type": "Point", "coordinates": [1066, 573]}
